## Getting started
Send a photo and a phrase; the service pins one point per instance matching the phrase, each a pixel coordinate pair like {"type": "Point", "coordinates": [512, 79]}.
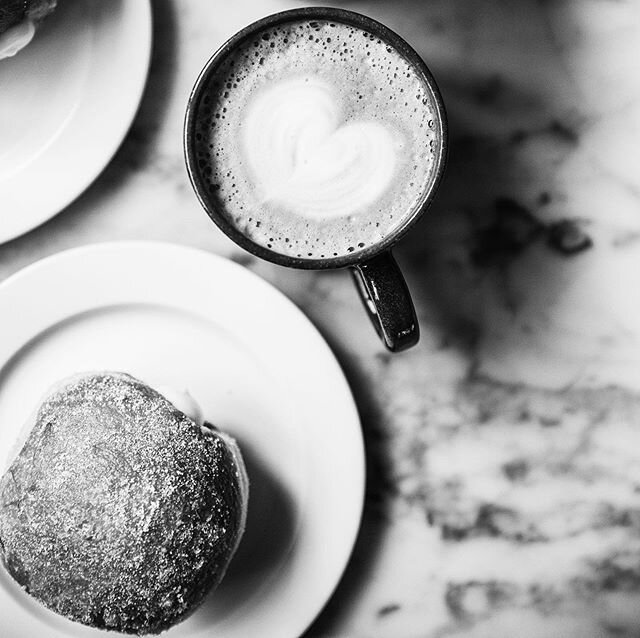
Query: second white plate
{"type": "Point", "coordinates": [66, 102]}
{"type": "Point", "coordinates": [181, 317]}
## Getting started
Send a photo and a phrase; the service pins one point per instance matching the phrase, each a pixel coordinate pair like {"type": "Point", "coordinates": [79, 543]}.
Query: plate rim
{"type": "Point", "coordinates": [353, 526]}
{"type": "Point", "coordinates": [145, 48]}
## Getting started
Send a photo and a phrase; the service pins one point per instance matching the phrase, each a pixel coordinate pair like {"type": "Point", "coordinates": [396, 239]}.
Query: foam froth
{"type": "Point", "coordinates": [316, 139]}
{"type": "Point", "coordinates": [303, 159]}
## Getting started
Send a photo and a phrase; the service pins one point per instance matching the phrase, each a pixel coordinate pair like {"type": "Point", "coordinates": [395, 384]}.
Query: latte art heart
{"type": "Point", "coordinates": [304, 156]}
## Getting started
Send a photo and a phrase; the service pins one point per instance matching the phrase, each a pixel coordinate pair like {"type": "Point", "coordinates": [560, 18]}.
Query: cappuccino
{"type": "Point", "coordinates": [316, 139]}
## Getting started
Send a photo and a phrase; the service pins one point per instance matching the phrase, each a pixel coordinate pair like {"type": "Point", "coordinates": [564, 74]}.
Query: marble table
{"type": "Point", "coordinates": [503, 496]}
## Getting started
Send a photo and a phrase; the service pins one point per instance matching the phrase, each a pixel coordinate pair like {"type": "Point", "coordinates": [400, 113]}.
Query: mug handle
{"type": "Point", "coordinates": [387, 301]}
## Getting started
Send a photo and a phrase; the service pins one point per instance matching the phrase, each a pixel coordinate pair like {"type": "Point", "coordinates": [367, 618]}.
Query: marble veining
{"type": "Point", "coordinates": [503, 452]}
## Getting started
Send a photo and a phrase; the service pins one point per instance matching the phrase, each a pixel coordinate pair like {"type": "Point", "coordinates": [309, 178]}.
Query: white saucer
{"type": "Point", "coordinates": [181, 317]}
{"type": "Point", "coordinates": [66, 102]}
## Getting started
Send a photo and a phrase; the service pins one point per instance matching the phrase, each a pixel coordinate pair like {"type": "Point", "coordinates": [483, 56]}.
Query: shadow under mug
{"type": "Point", "coordinates": [378, 278]}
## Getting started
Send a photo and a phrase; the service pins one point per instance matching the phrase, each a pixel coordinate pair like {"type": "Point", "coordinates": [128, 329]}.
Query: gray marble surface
{"type": "Point", "coordinates": [504, 451]}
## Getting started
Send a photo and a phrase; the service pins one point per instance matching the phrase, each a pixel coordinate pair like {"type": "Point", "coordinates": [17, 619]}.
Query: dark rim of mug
{"type": "Point", "coordinates": [343, 16]}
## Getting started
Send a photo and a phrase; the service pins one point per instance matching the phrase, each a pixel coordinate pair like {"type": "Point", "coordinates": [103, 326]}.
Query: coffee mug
{"type": "Point", "coordinates": [315, 138]}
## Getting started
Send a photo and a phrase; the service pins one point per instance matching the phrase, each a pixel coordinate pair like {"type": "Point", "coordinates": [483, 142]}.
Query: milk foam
{"type": "Point", "coordinates": [316, 139]}
{"type": "Point", "coordinates": [304, 159]}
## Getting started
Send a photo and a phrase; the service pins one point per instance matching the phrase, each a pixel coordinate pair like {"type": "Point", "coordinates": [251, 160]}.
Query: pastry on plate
{"type": "Point", "coordinates": [18, 22]}
{"type": "Point", "coordinates": [121, 511]}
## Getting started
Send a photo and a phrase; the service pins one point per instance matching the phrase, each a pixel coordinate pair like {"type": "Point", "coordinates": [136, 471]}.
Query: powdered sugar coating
{"type": "Point", "coordinates": [120, 512]}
